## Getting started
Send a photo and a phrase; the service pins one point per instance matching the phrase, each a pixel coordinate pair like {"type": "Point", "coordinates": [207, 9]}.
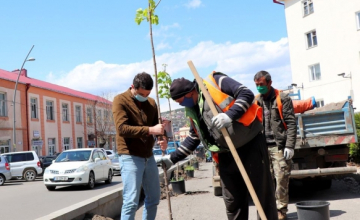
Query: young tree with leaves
{"type": "Point", "coordinates": [164, 81]}
{"type": "Point", "coordinates": [149, 15]}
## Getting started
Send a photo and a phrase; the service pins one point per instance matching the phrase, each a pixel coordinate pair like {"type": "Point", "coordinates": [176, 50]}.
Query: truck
{"type": "Point", "coordinates": [323, 136]}
{"type": "Point", "coordinates": [321, 150]}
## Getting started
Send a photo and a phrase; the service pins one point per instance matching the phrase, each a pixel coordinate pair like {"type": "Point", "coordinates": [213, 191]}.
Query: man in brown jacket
{"type": "Point", "coordinates": [136, 121]}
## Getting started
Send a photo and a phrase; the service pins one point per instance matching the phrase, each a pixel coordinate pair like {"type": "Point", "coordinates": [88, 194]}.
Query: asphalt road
{"type": "Point", "coordinates": [21, 200]}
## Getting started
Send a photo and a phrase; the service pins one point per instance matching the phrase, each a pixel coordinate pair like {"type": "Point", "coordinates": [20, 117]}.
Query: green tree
{"type": "Point", "coordinates": [149, 15]}
{"type": "Point", "coordinates": [355, 147]}
{"type": "Point", "coordinates": [164, 81]}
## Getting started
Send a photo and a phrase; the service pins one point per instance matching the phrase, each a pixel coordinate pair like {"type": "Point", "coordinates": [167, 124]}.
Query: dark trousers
{"type": "Point", "coordinates": [254, 156]}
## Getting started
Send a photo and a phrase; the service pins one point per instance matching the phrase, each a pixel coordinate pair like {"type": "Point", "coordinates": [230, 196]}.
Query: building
{"type": "Point", "coordinates": [324, 45]}
{"type": "Point", "coordinates": [51, 118]}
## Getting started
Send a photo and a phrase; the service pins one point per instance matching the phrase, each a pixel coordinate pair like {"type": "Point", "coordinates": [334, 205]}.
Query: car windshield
{"type": "Point", "coordinates": [71, 156]}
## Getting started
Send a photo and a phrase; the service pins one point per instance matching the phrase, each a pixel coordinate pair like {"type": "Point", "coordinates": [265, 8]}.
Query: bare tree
{"type": "Point", "coordinates": [100, 121]}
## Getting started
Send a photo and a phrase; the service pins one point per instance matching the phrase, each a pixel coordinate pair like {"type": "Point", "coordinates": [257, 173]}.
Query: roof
{"type": "Point", "coordinates": [12, 76]}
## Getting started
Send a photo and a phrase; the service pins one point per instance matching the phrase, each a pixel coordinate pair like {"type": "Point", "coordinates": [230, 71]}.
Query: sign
{"type": "Point", "coordinates": [37, 142]}
{"type": "Point", "coordinates": [36, 134]}
{"type": "Point", "coordinates": [91, 143]}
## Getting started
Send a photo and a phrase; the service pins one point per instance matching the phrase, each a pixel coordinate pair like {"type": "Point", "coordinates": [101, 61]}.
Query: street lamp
{"type": "Point", "coordinates": [348, 76]}
{"type": "Point", "coordinates": [17, 80]}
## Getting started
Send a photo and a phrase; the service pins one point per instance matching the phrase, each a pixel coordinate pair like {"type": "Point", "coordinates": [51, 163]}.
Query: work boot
{"type": "Point", "coordinates": [281, 216]}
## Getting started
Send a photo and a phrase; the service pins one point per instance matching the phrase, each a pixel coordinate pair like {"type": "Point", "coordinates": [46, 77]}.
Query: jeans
{"type": "Point", "coordinates": [137, 172]}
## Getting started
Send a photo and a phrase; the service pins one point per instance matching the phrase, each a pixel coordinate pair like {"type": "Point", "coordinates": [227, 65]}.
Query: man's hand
{"type": "Point", "coordinates": [221, 120]}
{"type": "Point", "coordinates": [162, 142]}
{"type": "Point", "coordinates": [157, 129]}
{"type": "Point", "coordinates": [288, 153]}
{"type": "Point", "coordinates": [166, 160]}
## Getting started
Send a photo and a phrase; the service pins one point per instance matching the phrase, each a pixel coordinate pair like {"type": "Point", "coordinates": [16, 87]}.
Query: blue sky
{"type": "Point", "coordinates": [96, 46]}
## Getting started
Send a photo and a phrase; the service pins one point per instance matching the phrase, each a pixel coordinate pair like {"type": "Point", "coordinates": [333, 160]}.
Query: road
{"type": "Point", "coordinates": [21, 200]}
{"type": "Point", "coordinates": [30, 200]}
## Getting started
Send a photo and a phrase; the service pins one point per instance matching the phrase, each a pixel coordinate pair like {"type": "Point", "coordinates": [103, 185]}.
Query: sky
{"type": "Point", "coordinates": [96, 46]}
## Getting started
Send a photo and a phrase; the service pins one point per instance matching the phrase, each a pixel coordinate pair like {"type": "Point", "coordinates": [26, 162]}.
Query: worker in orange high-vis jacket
{"type": "Point", "coordinates": [242, 119]}
{"type": "Point", "coordinates": [280, 133]}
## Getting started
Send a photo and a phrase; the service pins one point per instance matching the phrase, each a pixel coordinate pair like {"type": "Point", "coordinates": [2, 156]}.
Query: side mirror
{"type": "Point", "coordinates": [53, 161]}
{"type": "Point", "coordinates": [97, 160]}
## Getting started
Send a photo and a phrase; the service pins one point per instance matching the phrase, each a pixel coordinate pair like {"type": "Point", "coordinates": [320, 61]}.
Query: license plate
{"type": "Point", "coordinates": [61, 178]}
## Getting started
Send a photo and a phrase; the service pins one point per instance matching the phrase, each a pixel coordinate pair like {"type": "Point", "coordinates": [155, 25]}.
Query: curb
{"type": "Point", "coordinates": [106, 204]}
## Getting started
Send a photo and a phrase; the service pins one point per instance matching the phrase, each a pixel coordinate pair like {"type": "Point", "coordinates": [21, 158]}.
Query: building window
{"type": "Point", "coordinates": [50, 110]}
{"type": "Point", "coordinates": [3, 112]}
{"type": "Point", "coordinates": [79, 142]}
{"type": "Point", "coordinates": [66, 143]}
{"type": "Point", "coordinates": [106, 115]}
{"type": "Point", "coordinates": [319, 103]}
{"type": "Point", "coordinates": [78, 113]}
{"type": "Point", "coordinates": [89, 115]}
{"type": "Point", "coordinates": [308, 7]}
{"type": "Point", "coordinates": [34, 108]}
{"type": "Point", "coordinates": [358, 20]}
{"type": "Point", "coordinates": [315, 73]}
{"type": "Point", "coordinates": [311, 39]}
{"type": "Point", "coordinates": [51, 144]}
{"type": "Point", "coordinates": [65, 112]}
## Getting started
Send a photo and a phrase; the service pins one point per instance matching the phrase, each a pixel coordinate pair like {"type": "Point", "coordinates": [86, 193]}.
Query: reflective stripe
{"type": "Point", "coordinates": [182, 151]}
{"type": "Point", "coordinates": [186, 149]}
{"type": "Point", "coordinates": [220, 80]}
{"type": "Point", "coordinates": [226, 102]}
{"type": "Point", "coordinates": [243, 107]}
{"type": "Point", "coordinates": [243, 101]}
{"type": "Point", "coordinates": [194, 137]}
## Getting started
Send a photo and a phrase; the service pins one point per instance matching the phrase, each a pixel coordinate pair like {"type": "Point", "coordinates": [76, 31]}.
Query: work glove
{"type": "Point", "coordinates": [288, 153]}
{"type": "Point", "coordinates": [166, 160]}
{"type": "Point", "coordinates": [221, 120]}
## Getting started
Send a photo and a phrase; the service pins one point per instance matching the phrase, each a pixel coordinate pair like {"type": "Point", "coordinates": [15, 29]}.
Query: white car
{"type": "Point", "coordinates": [83, 166]}
{"type": "Point", "coordinates": [110, 154]}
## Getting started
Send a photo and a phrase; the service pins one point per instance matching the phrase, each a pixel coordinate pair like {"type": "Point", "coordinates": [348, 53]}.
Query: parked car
{"type": "Point", "coordinates": [172, 146]}
{"type": "Point", "coordinates": [110, 154]}
{"type": "Point", "coordinates": [158, 154]}
{"type": "Point", "coordinates": [116, 164]}
{"type": "Point", "coordinates": [5, 173]}
{"type": "Point", "coordinates": [25, 164]}
{"type": "Point", "coordinates": [46, 161]}
{"type": "Point", "coordinates": [83, 166]}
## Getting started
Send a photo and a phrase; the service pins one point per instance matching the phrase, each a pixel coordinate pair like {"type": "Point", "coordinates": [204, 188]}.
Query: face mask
{"type": "Point", "coordinates": [140, 98]}
{"type": "Point", "coordinates": [262, 89]}
{"type": "Point", "coordinates": [187, 102]}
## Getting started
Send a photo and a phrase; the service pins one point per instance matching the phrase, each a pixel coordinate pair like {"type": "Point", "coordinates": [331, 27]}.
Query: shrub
{"type": "Point", "coordinates": [189, 168]}
{"type": "Point", "coordinates": [354, 150]}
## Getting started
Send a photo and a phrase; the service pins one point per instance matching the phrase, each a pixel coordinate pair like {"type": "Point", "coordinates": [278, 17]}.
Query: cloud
{"type": "Point", "coordinates": [193, 4]}
{"type": "Point", "coordinates": [162, 46]}
{"type": "Point", "coordinates": [239, 60]}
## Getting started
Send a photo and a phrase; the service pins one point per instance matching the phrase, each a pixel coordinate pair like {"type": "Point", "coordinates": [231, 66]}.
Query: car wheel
{"type": "Point", "coordinates": [110, 176]}
{"type": "Point", "coordinates": [2, 179]}
{"type": "Point", "coordinates": [29, 175]}
{"type": "Point", "coordinates": [50, 188]}
{"type": "Point", "coordinates": [91, 183]}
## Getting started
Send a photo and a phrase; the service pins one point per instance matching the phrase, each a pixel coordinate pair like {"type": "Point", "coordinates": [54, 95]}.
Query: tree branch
{"type": "Point", "coordinates": [157, 4]}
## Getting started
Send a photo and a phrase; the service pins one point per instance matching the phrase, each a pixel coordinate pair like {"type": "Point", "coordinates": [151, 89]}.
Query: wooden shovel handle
{"type": "Point", "coordinates": [229, 142]}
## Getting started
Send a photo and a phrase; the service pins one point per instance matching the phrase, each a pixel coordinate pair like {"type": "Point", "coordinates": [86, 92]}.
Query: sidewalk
{"type": "Point", "coordinates": [196, 206]}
